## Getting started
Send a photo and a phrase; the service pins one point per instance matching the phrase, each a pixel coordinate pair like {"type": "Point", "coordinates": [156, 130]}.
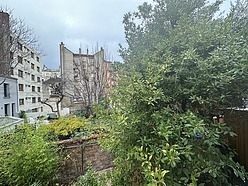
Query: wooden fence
{"type": "Point", "coordinates": [238, 120]}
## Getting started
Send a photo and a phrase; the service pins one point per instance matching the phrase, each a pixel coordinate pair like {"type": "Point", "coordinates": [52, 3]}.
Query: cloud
{"type": "Point", "coordinates": [74, 22]}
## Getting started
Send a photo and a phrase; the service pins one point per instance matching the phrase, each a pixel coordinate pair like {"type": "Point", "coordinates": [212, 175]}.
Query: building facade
{"type": "Point", "coordinates": [49, 73]}
{"type": "Point", "coordinates": [18, 60]}
{"type": "Point", "coordinates": [52, 92]}
{"type": "Point", "coordinates": [9, 97]}
{"type": "Point", "coordinates": [85, 76]}
{"type": "Point", "coordinates": [28, 71]}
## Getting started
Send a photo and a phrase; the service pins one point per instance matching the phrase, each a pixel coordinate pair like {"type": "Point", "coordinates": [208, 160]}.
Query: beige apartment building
{"type": "Point", "coordinates": [86, 77]}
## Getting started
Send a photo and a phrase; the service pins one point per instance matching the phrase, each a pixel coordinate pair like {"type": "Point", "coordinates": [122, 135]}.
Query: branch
{"type": "Point", "coordinates": [44, 102]}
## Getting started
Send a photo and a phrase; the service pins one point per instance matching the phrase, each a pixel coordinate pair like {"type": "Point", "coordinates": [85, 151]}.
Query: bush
{"type": "Point", "coordinates": [27, 157]}
{"type": "Point", "coordinates": [154, 144]}
{"type": "Point", "coordinates": [65, 127]}
{"type": "Point", "coordinates": [70, 127]}
{"type": "Point", "coordinates": [91, 178]}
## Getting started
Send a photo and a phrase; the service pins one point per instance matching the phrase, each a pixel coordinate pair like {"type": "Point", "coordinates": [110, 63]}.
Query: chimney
{"type": "Point", "coordinates": [80, 52]}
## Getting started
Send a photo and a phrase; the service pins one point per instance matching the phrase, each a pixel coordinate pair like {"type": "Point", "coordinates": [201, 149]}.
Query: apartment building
{"type": "Point", "coordinates": [86, 77]}
{"type": "Point", "coordinates": [20, 61]}
{"type": "Point", "coordinates": [29, 74]}
{"type": "Point", "coordinates": [48, 73]}
{"type": "Point", "coordinates": [8, 97]}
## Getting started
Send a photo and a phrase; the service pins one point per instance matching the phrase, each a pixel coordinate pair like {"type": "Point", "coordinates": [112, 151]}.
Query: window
{"type": "Point", "coordinates": [33, 88]}
{"type": "Point", "coordinates": [39, 99]}
{"type": "Point", "coordinates": [38, 89]}
{"type": "Point", "coordinates": [32, 55]}
{"type": "Point", "coordinates": [35, 110]}
{"type": "Point", "coordinates": [21, 101]}
{"type": "Point", "coordinates": [33, 77]}
{"type": "Point", "coordinates": [20, 73]}
{"type": "Point", "coordinates": [11, 55]}
{"type": "Point", "coordinates": [38, 79]}
{"type": "Point", "coordinates": [33, 100]}
{"type": "Point", "coordinates": [20, 60]}
{"type": "Point", "coordinates": [32, 66]}
{"type": "Point", "coordinates": [21, 87]}
{"type": "Point", "coordinates": [38, 69]}
{"type": "Point", "coordinates": [37, 59]}
{"type": "Point", "coordinates": [12, 71]}
{"type": "Point", "coordinates": [6, 90]}
{"type": "Point", "coordinates": [7, 109]}
{"type": "Point", "coordinates": [19, 46]}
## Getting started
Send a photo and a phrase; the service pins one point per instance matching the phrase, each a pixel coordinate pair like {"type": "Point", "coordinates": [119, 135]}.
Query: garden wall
{"type": "Point", "coordinates": [78, 154]}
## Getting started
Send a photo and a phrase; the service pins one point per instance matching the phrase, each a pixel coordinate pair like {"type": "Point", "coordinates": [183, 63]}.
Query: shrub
{"type": "Point", "coordinates": [27, 157]}
{"type": "Point", "coordinates": [65, 127]}
{"type": "Point", "coordinates": [91, 178]}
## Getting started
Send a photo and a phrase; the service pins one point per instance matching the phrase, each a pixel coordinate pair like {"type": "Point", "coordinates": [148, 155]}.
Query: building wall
{"type": "Point", "coordinates": [66, 65]}
{"type": "Point", "coordinates": [50, 73]}
{"type": "Point", "coordinates": [20, 61]}
{"type": "Point", "coordinates": [75, 67]}
{"type": "Point", "coordinates": [4, 44]}
{"type": "Point", "coordinates": [8, 97]}
{"type": "Point", "coordinates": [28, 71]}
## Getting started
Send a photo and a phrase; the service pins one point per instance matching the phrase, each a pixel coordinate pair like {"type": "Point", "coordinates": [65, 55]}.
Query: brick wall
{"type": "Point", "coordinates": [77, 154]}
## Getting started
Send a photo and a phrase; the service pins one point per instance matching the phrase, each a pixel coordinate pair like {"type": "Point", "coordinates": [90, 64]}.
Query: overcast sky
{"type": "Point", "coordinates": [76, 23]}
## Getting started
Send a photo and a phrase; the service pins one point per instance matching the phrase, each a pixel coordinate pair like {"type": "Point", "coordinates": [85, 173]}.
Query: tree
{"type": "Point", "coordinates": [184, 65]}
{"type": "Point", "coordinates": [90, 80]}
{"type": "Point", "coordinates": [55, 94]}
{"type": "Point", "coordinates": [14, 33]}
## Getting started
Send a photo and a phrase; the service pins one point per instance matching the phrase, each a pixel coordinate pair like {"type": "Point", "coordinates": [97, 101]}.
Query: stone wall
{"type": "Point", "coordinates": [77, 154]}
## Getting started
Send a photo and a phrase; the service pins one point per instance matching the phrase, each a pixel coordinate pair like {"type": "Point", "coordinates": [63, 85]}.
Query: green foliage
{"type": "Point", "coordinates": [91, 178]}
{"type": "Point", "coordinates": [184, 64]}
{"type": "Point", "coordinates": [24, 116]}
{"type": "Point", "coordinates": [67, 126]}
{"type": "Point", "coordinates": [154, 144]}
{"type": "Point", "coordinates": [70, 127]}
{"type": "Point", "coordinates": [27, 157]}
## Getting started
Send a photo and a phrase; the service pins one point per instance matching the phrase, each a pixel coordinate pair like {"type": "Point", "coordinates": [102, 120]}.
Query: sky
{"type": "Point", "coordinates": [76, 23]}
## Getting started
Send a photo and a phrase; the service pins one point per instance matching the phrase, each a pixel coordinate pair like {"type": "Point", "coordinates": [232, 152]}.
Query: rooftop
{"type": "Point", "coordinates": [8, 122]}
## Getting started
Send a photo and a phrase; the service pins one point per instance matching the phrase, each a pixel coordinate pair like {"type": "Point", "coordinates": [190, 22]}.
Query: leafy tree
{"type": "Point", "coordinates": [188, 65]}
